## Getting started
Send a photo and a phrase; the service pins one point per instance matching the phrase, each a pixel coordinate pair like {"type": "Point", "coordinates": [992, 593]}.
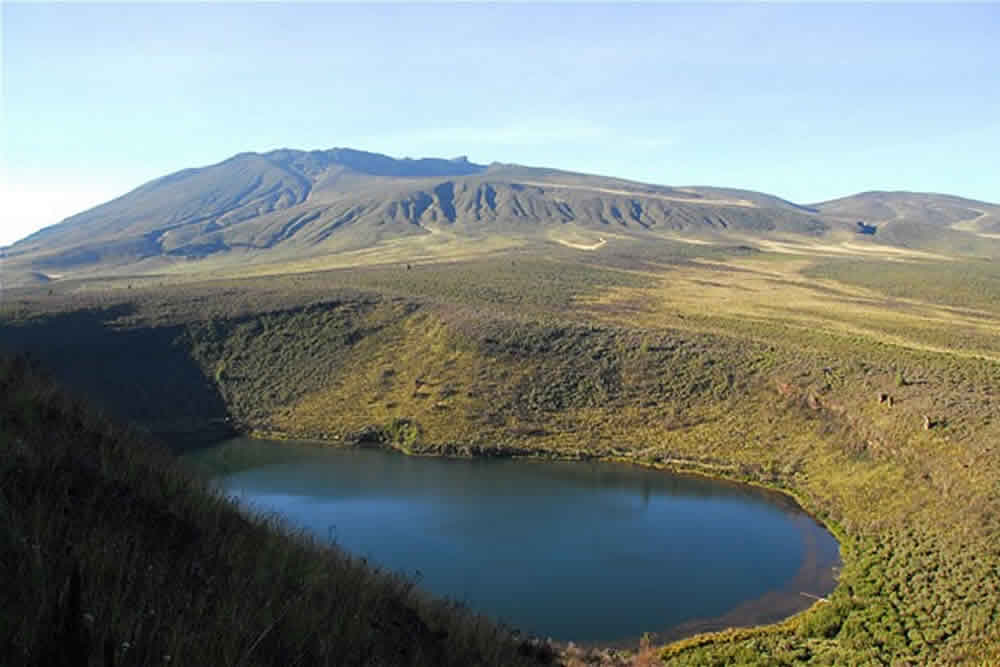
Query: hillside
{"type": "Point", "coordinates": [933, 209]}
{"type": "Point", "coordinates": [347, 207]}
{"type": "Point", "coordinates": [297, 204]}
{"type": "Point", "coordinates": [704, 330]}
{"type": "Point", "coordinates": [112, 554]}
{"type": "Point", "coordinates": [921, 220]}
{"type": "Point", "coordinates": [865, 387]}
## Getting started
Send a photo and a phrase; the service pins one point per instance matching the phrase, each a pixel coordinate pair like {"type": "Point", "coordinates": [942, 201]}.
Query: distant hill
{"type": "Point", "coordinates": [935, 209]}
{"type": "Point", "coordinates": [918, 219]}
{"type": "Point", "coordinates": [289, 204]}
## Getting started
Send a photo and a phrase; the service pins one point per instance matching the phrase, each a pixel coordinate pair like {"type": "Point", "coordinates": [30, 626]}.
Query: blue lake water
{"type": "Point", "coordinates": [588, 552]}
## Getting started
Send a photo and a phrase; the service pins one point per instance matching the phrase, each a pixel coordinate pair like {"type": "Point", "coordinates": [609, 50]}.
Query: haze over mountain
{"type": "Point", "coordinates": [289, 205]}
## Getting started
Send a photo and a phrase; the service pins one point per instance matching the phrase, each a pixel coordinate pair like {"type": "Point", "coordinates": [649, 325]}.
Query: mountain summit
{"type": "Point", "coordinates": [290, 204]}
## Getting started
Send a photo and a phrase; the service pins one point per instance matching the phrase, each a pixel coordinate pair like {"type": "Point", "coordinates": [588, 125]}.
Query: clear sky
{"type": "Point", "coordinates": [808, 101]}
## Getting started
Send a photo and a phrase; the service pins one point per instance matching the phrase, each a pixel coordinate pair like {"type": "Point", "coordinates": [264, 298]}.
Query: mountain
{"type": "Point", "coordinates": [290, 204]}
{"type": "Point", "coordinates": [936, 209]}
{"type": "Point", "coordinates": [918, 219]}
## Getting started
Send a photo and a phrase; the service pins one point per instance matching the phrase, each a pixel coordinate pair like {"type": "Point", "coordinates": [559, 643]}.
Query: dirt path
{"type": "Point", "coordinates": [582, 246]}
{"type": "Point", "coordinates": [845, 248]}
{"type": "Point", "coordinates": [969, 224]}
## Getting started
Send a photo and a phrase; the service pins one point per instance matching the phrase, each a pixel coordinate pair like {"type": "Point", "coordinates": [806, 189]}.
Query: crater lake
{"type": "Point", "coordinates": [595, 553]}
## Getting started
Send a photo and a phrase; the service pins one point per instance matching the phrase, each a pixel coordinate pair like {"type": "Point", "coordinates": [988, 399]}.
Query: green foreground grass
{"type": "Point", "coordinates": [876, 408]}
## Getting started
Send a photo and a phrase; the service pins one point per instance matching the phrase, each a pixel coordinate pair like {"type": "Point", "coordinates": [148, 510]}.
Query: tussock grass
{"type": "Point", "coordinates": [112, 554]}
{"type": "Point", "coordinates": [727, 362]}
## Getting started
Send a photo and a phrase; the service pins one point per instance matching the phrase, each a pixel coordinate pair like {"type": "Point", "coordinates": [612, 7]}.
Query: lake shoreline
{"type": "Point", "coordinates": [773, 611]}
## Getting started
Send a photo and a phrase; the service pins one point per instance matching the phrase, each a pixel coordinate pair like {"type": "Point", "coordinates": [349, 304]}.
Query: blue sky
{"type": "Point", "coordinates": [808, 102]}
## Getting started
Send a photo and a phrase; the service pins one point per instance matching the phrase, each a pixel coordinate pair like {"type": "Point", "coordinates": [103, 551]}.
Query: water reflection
{"type": "Point", "coordinates": [581, 551]}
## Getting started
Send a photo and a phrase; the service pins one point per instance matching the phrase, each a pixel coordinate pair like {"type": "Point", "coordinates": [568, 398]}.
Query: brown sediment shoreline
{"type": "Point", "coordinates": [813, 582]}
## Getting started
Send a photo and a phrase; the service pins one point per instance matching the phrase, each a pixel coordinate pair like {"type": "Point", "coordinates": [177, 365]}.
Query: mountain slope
{"type": "Point", "coordinates": [289, 204]}
{"type": "Point", "coordinates": [918, 219]}
{"type": "Point", "coordinates": [937, 209]}
{"type": "Point", "coordinates": [183, 213]}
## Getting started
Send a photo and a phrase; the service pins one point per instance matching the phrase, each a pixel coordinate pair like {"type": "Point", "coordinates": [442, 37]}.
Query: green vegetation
{"type": "Point", "coordinates": [111, 554]}
{"type": "Point", "coordinates": [874, 404]}
{"type": "Point", "coordinates": [494, 283]}
{"type": "Point", "coordinates": [970, 284]}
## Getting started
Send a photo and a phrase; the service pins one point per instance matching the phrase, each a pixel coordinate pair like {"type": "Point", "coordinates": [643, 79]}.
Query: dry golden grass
{"type": "Point", "coordinates": [759, 367]}
{"type": "Point", "coordinates": [767, 291]}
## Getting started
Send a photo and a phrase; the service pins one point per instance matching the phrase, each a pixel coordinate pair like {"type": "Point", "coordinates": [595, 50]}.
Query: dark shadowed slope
{"type": "Point", "coordinates": [112, 554]}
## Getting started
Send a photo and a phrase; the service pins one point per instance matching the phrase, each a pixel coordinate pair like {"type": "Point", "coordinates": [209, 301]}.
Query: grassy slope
{"type": "Point", "coordinates": [757, 367]}
{"type": "Point", "coordinates": [108, 549]}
